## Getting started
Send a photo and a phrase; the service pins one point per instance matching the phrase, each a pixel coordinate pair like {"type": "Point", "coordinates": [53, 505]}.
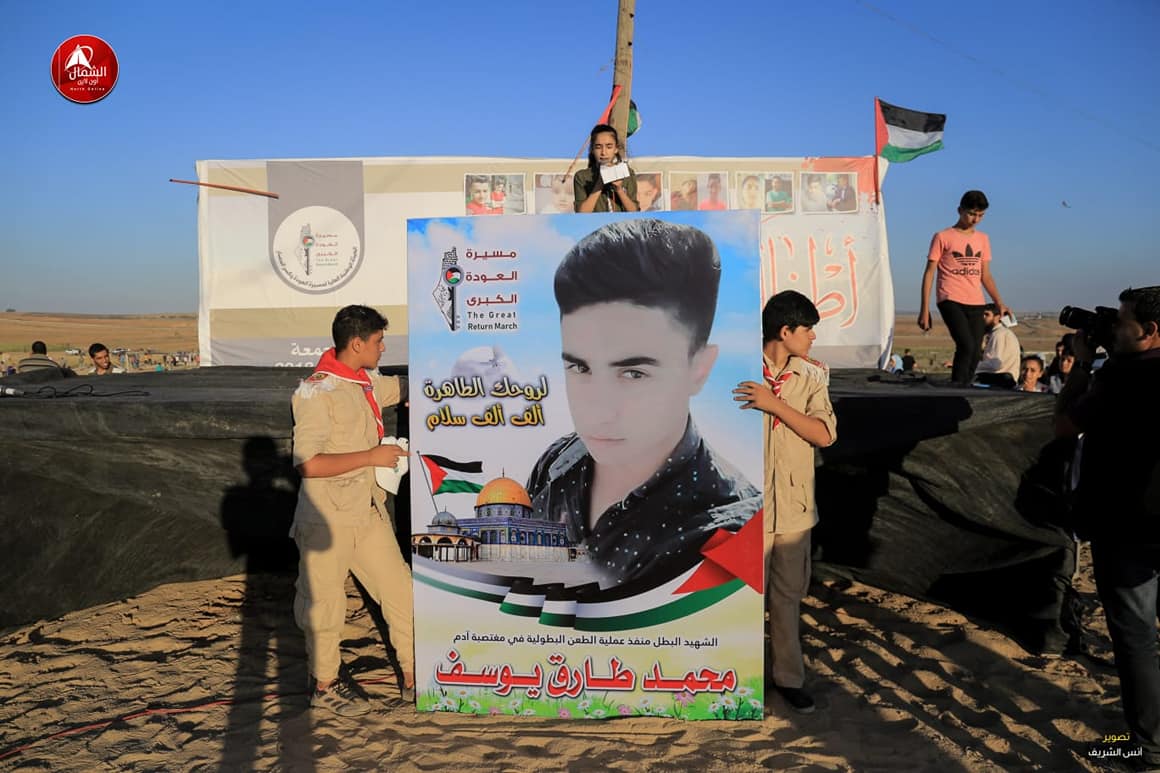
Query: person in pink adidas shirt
{"type": "Point", "coordinates": [961, 257]}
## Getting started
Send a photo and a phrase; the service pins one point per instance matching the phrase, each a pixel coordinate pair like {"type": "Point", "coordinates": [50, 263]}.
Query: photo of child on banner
{"type": "Point", "coordinates": [494, 194]}
{"type": "Point", "coordinates": [553, 194]}
{"type": "Point", "coordinates": [572, 516]}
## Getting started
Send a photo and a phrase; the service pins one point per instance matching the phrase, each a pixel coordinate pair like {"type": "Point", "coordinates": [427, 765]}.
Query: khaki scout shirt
{"type": "Point", "coordinates": [332, 416]}
{"type": "Point", "coordinates": [789, 460]}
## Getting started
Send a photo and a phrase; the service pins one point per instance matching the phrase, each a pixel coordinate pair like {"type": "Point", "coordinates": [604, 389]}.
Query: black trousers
{"type": "Point", "coordinates": [965, 324]}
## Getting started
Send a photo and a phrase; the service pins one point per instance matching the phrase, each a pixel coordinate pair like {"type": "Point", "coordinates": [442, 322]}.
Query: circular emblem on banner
{"type": "Point", "coordinates": [316, 250]}
{"type": "Point", "coordinates": [453, 276]}
{"type": "Point", "coordinates": [84, 69]}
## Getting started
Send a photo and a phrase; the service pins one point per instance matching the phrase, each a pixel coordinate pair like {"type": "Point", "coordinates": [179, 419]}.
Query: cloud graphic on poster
{"type": "Point", "coordinates": [488, 362]}
{"type": "Point", "coordinates": [736, 232]}
{"type": "Point", "coordinates": [540, 242]}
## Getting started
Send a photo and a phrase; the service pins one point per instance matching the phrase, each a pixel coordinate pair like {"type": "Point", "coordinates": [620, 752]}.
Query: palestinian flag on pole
{"type": "Point", "coordinates": [902, 135]}
{"type": "Point", "coordinates": [451, 477]}
{"type": "Point", "coordinates": [633, 119]}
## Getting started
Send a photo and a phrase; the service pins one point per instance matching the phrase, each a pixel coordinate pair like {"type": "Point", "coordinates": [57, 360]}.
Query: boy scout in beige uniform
{"type": "Point", "coordinates": [798, 417]}
{"type": "Point", "coordinates": [341, 523]}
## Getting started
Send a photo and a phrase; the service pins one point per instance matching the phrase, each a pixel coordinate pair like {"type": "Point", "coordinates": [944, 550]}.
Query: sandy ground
{"type": "Point", "coordinates": [210, 676]}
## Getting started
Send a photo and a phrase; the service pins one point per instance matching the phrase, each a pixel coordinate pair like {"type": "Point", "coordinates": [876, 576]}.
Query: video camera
{"type": "Point", "coordinates": [1099, 326]}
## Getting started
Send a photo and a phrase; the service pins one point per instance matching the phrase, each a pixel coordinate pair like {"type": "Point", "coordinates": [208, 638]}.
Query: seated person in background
{"type": "Point", "coordinates": [1000, 364]}
{"type": "Point", "coordinates": [102, 364]}
{"type": "Point", "coordinates": [1031, 375]}
{"type": "Point", "coordinates": [38, 359]}
{"type": "Point", "coordinates": [636, 483]}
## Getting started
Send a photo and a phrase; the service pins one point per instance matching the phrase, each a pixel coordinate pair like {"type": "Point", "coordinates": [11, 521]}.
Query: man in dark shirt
{"type": "Point", "coordinates": [636, 483]}
{"type": "Point", "coordinates": [1117, 500]}
{"type": "Point", "coordinates": [907, 361]}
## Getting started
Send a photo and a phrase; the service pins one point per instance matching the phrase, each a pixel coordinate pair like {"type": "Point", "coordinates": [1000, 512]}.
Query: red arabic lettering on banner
{"type": "Point", "coordinates": [829, 279]}
{"type": "Point", "coordinates": [560, 681]}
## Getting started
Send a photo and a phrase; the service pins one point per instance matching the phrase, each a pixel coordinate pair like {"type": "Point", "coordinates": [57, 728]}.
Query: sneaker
{"type": "Point", "coordinates": [798, 699]}
{"type": "Point", "coordinates": [342, 698]}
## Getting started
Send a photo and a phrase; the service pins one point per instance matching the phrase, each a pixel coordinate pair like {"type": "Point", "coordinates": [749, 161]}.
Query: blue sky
{"type": "Point", "coordinates": [1046, 102]}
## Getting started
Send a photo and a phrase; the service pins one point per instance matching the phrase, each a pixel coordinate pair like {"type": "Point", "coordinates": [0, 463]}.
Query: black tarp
{"type": "Point", "coordinates": [919, 496]}
{"type": "Point", "coordinates": [164, 477]}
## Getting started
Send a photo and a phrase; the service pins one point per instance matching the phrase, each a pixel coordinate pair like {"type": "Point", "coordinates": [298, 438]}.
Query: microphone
{"type": "Point", "coordinates": [11, 392]}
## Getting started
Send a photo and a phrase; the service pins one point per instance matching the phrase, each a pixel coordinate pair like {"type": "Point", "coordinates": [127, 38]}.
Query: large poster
{"type": "Point", "coordinates": [274, 270]}
{"type": "Point", "coordinates": [586, 497]}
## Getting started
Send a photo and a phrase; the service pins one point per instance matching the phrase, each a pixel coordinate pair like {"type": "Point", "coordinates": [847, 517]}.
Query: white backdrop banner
{"type": "Point", "coordinates": [274, 271]}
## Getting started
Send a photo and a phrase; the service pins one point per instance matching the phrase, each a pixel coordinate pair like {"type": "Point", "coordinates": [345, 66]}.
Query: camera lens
{"type": "Point", "coordinates": [1076, 318]}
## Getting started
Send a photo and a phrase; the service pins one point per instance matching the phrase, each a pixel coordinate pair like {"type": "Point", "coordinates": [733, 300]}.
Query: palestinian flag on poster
{"type": "Point", "coordinates": [902, 135]}
{"type": "Point", "coordinates": [448, 476]}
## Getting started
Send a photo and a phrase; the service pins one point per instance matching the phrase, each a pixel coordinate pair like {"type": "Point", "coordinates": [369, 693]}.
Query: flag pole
{"type": "Point", "coordinates": [427, 480]}
{"type": "Point", "coordinates": [877, 192]}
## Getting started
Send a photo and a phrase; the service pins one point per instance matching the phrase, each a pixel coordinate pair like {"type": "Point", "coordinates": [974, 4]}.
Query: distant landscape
{"type": "Point", "coordinates": [160, 333]}
{"type": "Point", "coordinates": [1037, 332]}
{"type": "Point", "coordinates": [172, 333]}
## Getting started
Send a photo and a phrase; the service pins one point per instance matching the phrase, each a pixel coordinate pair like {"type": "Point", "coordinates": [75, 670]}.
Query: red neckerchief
{"type": "Point", "coordinates": [331, 364]}
{"type": "Point", "coordinates": [776, 383]}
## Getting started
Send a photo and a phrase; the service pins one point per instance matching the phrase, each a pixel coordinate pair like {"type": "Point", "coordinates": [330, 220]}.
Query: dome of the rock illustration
{"type": "Point", "coordinates": [503, 491]}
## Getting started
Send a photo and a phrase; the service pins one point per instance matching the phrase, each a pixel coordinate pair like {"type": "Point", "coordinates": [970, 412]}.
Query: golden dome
{"type": "Point", "coordinates": [503, 491]}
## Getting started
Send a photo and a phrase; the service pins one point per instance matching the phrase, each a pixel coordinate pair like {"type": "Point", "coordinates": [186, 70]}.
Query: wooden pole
{"type": "Point", "coordinates": [622, 71]}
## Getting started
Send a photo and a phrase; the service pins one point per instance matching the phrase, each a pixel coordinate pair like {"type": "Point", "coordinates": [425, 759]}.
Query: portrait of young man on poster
{"type": "Point", "coordinates": [636, 484]}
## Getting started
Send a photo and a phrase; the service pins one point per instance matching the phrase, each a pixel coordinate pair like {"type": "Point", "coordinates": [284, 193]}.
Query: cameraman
{"type": "Point", "coordinates": [1117, 498]}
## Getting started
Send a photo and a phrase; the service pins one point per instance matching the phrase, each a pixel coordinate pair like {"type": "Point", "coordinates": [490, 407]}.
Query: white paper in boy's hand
{"type": "Point", "coordinates": [390, 477]}
{"type": "Point", "coordinates": [613, 172]}
{"type": "Point", "coordinates": [1009, 320]}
